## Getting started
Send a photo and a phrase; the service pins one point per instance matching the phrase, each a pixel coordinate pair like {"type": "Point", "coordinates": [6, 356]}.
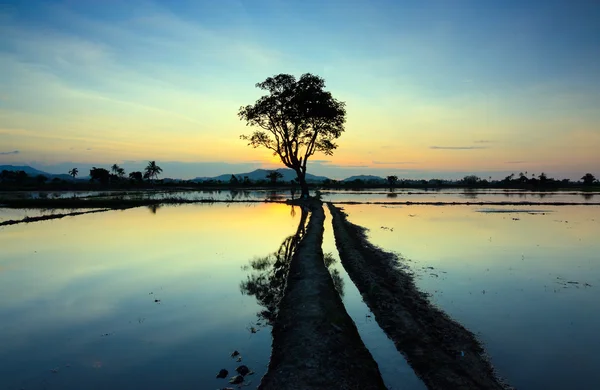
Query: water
{"type": "Point", "coordinates": [77, 295]}
{"type": "Point", "coordinates": [395, 370]}
{"type": "Point", "coordinates": [524, 280]}
{"type": "Point", "coordinates": [459, 195]}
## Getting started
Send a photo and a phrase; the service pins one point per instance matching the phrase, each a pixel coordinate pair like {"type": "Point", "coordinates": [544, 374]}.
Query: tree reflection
{"type": "Point", "coordinates": [153, 208]}
{"type": "Point", "coordinates": [267, 275]}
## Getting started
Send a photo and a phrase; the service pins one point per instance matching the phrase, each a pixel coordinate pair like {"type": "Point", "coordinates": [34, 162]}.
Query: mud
{"type": "Point", "coordinates": [443, 353]}
{"type": "Point", "coordinates": [315, 343]}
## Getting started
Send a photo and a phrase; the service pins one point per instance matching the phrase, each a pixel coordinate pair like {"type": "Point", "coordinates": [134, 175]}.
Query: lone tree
{"type": "Point", "coordinates": [588, 179]}
{"type": "Point", "coordinates": [74, 172]}
{"type": "Point", "coordinates": [152, 170]}
{"type": "Point", "coordinates": [392, 180]}
{"type": "Point", "coordinates": [295, 119]}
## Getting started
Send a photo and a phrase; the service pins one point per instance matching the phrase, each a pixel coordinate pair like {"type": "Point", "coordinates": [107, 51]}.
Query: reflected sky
{"type": "Point", "coordinates": [78, 295]}
{"type": "Point", "coordinates": [526, 283]}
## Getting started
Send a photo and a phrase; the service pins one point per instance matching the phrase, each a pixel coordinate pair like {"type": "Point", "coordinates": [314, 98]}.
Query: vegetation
{"type": "Point", "coordinates": [152, 170]}
{"type": "Point", "coordinates": [296, 119]}
{"type": "Point", "coordinates": [273, 176]}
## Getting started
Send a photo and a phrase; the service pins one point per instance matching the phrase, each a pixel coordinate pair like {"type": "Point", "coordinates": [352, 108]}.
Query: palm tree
{"type": "Point", "coordinates": [74, 172]}
{"type": "Point", "coordinates": [152, 170]}
{"type": "Point", "coordinates": [115, 169]}
{"type": "Point", "coordinates": [273, 176]}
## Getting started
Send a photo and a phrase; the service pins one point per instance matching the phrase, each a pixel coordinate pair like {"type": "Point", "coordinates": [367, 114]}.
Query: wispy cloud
{"type": "Point", "coordinates": [7, 153]}
{"type": "Point", "coordinates": [393, 162]}
{"type": "Point", "coordinates": [457, 147]}
{"type": "Point", "coordinates": [483, 141]}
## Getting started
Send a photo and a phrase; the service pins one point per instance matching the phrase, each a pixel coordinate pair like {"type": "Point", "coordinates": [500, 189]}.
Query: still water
{"type": "Point", "coordinates": [154, 299]}
{"type": "Point", "coordinates": [526, 281]}
{"type": "Point", "coordinates": [78, 297]}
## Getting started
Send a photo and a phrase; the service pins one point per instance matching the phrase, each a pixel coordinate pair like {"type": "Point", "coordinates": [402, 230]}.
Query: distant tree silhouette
{"type": "Point", "coordinates": [392, 180]}
{"type": "Point", "coordinates": [152, 170]}
{"type": "Point", "coordinates": [471, 180]}
{"type": "Point", "coordinates": [234, 180]}
{"type": "Point", "coordinates": [100, 175]}
{"type": "Point", "coordinates": [41, 179]}
{"type": "Point", "coordinates": [74, 172]}
{"type": "Point", "coordinates": [21, 176]}
{"type": "Point", "coordinates": [588, 179]}
{"type": "Point", "coordinates": [273, 176]}
{"type": "Point", "coordinates": [136, 176]}
{"type": "Point", "coordinates": [296, 119]}
{"type": "Point", "coordinates": [115, 169]}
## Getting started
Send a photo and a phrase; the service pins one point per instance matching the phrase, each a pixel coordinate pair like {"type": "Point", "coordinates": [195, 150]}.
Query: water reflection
{"type": "Point", "coordinates": [268, 274]}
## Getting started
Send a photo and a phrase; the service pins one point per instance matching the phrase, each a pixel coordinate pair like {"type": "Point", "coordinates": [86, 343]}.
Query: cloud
{"type": "Point", "coordinates": [483, 141]}
{"type": "Point", "coordinates": [320, 161]}
{"type": "Point", "coordinates": [457, 147]}
{"type": "Point", "coordinates": [7, 153]}
{"type": "Point", "coordinates": [393, 162]}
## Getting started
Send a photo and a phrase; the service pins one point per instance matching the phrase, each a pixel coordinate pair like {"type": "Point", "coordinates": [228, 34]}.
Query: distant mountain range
{"type": "Point", "coordinates": [256, 175]}
{"type": "Point", "coordinates": [261, 174]}
{"type": "Point", "coordinates": [33, 172]}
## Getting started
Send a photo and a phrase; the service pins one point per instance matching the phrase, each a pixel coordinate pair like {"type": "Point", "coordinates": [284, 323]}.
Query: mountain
{"type": "Point", "coordinates": [32, 172]}
{"type": "Point", "coordinates": [366, 178]}
{"type": "Point", "coordinates": [261, 174]}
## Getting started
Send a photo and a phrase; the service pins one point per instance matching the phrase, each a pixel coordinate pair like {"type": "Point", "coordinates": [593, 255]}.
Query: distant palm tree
{"type": "Point", "coordinates": [152, 170]}
{"type": "Point", "coordinates": [120, 172]}
{"type": "Point", "coordinates": [74, 172]}
{"type": "Point", "coordinates": [115, 169]}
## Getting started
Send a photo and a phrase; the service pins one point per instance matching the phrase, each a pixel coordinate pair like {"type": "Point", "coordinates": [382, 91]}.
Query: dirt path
{"type": "Point", "coordinates": [315, 343]}
{"type": "Point", "coordinates": [50, 216]}
{"type": "Point", "coordinates": [442, 352]}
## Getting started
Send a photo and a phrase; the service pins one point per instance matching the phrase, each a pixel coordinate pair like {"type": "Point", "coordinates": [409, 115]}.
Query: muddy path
{"type": "Point", "coordinates": [315, 342]}
{"type": "Point", "coordinates": [48, 217]}
{"type": "Point", "coordinates": [442, 352]}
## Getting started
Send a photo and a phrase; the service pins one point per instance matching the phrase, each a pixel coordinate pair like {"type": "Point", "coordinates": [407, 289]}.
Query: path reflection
{"type": "Point", "coordinates": [267, 275]}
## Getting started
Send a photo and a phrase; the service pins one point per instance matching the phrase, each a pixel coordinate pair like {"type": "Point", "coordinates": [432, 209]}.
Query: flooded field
{"type": "Point", "coordinates": [158, 298]}
{"type": "Point", "coordinates": [524, 280]}
{"type": "Point", "coordinates": [132, 299]}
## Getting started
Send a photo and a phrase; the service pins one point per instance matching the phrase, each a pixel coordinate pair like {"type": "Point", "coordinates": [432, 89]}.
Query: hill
{"type": "Point", "coordinates": [366, 179]}
{"type": "Point", "coordinates": [261, 174]}
{"type": "Point", "coordinates": [32, 172]}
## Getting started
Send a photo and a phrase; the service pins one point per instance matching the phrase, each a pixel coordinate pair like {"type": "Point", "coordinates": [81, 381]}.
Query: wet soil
{"type": "Point", "coordinates": [443, 353]}
{"type": "Point", "coordinates": [315, 343]}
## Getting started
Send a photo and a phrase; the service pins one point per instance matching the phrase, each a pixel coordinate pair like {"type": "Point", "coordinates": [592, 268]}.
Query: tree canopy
{"type": "Point", "coordinates": [295, 119]}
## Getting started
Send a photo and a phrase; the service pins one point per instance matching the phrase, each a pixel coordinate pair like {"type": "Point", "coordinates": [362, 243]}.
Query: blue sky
{"type": "Point", "coordinates": [432, 87]}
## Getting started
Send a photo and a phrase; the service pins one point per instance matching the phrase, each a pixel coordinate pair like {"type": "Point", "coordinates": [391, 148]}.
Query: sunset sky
{"type": "Point", "coordinates": [433, 88]}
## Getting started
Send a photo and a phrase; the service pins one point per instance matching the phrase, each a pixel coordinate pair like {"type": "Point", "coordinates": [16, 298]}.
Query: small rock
{"type": "Point", "coordinates": [236, 379]}
{"type": "Point", "coordinates": [234, 353]}
{"type": "Point", "coordinates": [242, 370]}
{"type": "Point", "coordinates": [157, 300]}
{"type": "Point", "coordinates": [222, 374]}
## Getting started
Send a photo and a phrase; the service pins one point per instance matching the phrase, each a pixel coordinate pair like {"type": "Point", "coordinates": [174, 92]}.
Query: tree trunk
{"type": "Point", "coordinates": [303, 185]}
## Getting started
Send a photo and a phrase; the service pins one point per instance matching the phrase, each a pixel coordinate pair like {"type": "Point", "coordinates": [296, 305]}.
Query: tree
{"type": "Point", "coordinates": [121, 172]}
{"type": "Point", "coordinates": [41, 179]}
{"type": "Point", "coordinates": [74, 172]}
{"type": "Point", "coordinates": [392, 180]}
{"type": "Point", "coordinates": [152, 170]}
{"type": "Point", "coordinates": [273, 176]}
{"type": "Point", "coordinates": [99, 174]}
{"type": "Point", "coordinates": [115, 169]}
{"type": "Point", "coordinates": [136, 176]}
{"type": "Point", "coordinates": [588, 179]}
{"type": "Point", "coordinates": [295, 119]}
{"type": "Point", "coordinates": [471, 180]}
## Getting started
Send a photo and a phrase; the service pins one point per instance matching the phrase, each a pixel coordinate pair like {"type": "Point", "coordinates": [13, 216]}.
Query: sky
{"type": "Point", "coordinates": [433, 88]}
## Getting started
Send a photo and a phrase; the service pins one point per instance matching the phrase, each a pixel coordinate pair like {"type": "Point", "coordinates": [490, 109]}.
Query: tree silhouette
{"type": "Point", "coordinates": [588, 179]}
{"type": "Point", "coordinates": [273, 176]}
{"type": "Point", "coordinates": [99, 174]}
{"type": "Point", "coordinates": [136, 176]}
{"type": "Point", "coordinates": [296, 119]}
{"type": "Point", "coordinates": [392, 180]}
{"type": "Point", "coordinates": [74, 172]}
{"type": "Point", "coordinates": [152, 170]}
{"type": "Point", "coordinates": [115, 169]}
